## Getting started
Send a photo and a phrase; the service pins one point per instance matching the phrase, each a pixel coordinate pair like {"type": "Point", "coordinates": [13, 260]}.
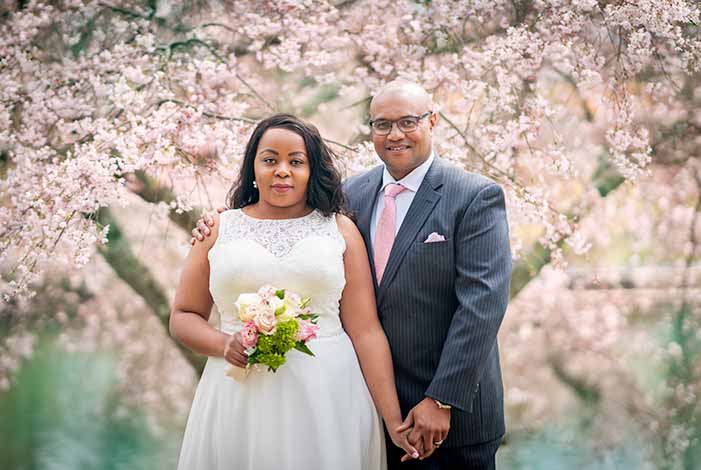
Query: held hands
{"type": "Point", "coordinates": [201, 229]}
{"type": "Point", "coordinates": [427, 427]}
{"type": "Point", "coordinates": [401, 440]}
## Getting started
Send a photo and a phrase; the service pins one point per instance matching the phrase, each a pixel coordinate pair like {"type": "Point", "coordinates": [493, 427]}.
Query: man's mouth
{"type": "Point", "coordinates": [397, 148]}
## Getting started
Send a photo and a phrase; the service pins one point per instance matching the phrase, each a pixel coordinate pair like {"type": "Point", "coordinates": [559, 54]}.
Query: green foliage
{"type": "Point", "coordinates": [308, 316]}
{"type": "Point", "coordinates": [61, 414]}
{"type": "Point", "coordinates": [528, 268]}
{"type": "Point", "coordinates": [301, 347]}
{"type": "Point", "coordinates": [681, 373]}
{"type": "Point", "coordinates": [605, 177]}
{"type": "Point", "coordinates": [570, 446]}
{"type": "Point", "coordinates": [271, 349]}
{"type": "Point", "coordinates": [325, 94]}
{"type": "Point", "coordinates": [85, 38]}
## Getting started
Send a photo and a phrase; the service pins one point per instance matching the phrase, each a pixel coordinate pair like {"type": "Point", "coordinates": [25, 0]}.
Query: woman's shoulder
{"type": "Point", "coordinates": [344, 222]}
{"type": "Point", "coordinates": [215, 227]}
{"type": "Point", "coordinates": [347, 228]}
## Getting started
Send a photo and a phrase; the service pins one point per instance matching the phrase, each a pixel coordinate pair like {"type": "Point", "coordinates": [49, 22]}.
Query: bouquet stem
{"type": "Point", "coordinates": [239, 374]}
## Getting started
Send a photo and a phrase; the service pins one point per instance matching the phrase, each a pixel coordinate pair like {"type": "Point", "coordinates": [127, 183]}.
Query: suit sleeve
{"type": "Point", "coordinates": [483, 269]}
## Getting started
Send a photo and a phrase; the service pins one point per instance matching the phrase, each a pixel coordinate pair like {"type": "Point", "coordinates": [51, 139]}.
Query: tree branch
{"type": "Point", "coordinates": [119, 256]}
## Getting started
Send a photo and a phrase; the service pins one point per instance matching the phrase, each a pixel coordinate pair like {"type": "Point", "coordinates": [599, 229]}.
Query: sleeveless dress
{"type": "Point", "coordinates": [314, 412]}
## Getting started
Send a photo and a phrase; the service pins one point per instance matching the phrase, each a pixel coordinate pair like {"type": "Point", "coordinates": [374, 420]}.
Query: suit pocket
{"type": "Point", "coordinates": [433, 245]}
{"type": "Point", "coordinates": [431, 264]}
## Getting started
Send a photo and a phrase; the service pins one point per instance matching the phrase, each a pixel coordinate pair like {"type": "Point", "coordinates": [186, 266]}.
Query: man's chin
{"type": "Point", "coordinates": [398, 157]}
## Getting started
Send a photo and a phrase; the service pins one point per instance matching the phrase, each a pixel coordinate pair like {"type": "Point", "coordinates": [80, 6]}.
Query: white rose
{"type": "Point", "coordinates": [249, 312]}
{"type": "Point", "coordinates": [244, 302]}
{"type": "Point", "coordinates": [288, 314]}
{"type": "Point", "coordinates": [275, 303]}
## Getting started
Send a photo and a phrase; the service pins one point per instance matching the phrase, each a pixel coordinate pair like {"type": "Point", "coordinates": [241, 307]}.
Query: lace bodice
{"type": "Point", "coordinates": [304, 255]}
{"type": "Point", "coordinates": [277, 236]}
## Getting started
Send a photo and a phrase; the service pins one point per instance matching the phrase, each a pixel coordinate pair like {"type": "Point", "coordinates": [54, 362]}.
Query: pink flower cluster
{"type": "Point", "coordinates": [262, 311]}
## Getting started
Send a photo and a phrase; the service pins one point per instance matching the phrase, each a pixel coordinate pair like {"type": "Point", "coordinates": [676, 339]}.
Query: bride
{"type": "Point", "coordinates": [285, 228]}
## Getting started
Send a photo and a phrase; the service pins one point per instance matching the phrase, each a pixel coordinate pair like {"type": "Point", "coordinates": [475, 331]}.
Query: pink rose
{"type": "Point", "coordinates": [267, 292]}
{"type": "Point", "coordinates": [249, 312]}
{"type": "Point", "coordinates": [306, 331]}
{"type": "Point", "coordinates": [249, 335]}
{"type": "Point", "coordinates": [266, 322]}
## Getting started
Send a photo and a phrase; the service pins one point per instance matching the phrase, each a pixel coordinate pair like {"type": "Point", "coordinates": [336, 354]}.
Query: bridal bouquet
{"type": "Point", "coordinates": [275, 321]}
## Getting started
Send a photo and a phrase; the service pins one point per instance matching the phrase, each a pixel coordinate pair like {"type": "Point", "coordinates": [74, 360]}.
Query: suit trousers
{"type": "Point", "coordinates": [471, 457]}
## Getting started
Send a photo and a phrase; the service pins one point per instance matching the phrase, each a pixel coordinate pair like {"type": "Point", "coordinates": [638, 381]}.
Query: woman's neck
{"type": "Point", "coordinates": [262, 210]}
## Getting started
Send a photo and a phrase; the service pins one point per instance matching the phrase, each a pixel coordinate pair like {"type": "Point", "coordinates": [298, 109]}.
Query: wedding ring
{"type": "Point", "coordinates": [437, 443]}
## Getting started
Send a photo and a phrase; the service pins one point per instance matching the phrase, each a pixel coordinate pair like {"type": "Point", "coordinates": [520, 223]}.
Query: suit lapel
{"type": "Point", "coordinates": [421, 207]}
{"type": "Point", "coordinates": [366, 202]}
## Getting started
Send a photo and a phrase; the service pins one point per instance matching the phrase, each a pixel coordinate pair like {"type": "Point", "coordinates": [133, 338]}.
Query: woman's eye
{"type": "Point", "coordinates": [268, 160]}
{"type": "Point", "coordinates": [297, 162]}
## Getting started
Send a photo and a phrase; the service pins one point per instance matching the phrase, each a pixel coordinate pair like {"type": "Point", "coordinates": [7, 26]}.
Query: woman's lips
{"type": "Point", "coordinates": [282, 189]}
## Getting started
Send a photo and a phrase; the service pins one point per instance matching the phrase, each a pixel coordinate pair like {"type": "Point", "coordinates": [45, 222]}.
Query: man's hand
{"type": "Point", "coordinates": [431, 425]}
{"type": "Point", "coordinates": [201, 229]}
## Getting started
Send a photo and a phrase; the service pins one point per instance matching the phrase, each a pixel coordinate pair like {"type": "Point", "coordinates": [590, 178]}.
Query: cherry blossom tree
{"type": "Point", "coordinates": [586, 112]}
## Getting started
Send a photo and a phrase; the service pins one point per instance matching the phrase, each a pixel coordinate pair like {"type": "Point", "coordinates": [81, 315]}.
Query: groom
{"type": "Point", "coordinates": [437, 238]}
{"type": "Point", "coordinates": [438, 242]}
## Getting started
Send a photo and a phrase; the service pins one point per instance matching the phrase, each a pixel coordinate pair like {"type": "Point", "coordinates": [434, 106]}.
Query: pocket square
{"type": "Point", "coordinates": [435, 237]}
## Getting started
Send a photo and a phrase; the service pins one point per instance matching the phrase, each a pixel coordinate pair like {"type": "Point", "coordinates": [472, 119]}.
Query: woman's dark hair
{"type": "Point", "coordinates": [324, 190]}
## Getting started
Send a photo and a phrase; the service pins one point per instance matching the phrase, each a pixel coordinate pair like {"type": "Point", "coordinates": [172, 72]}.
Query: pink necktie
{"type": "Point", "coordinates": [384, 234]}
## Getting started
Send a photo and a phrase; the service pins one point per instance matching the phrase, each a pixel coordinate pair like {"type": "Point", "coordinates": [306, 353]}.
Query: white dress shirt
{"type": "Point", "coordinates": [411, 182]}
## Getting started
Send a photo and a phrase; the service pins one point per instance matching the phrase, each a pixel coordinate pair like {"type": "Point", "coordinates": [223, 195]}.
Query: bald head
{"type": "Point", "coordinates": [405, 90]}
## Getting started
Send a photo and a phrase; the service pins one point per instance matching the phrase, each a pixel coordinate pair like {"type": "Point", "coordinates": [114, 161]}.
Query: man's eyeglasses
{"type": "Point", "coordinates": [405, 124]}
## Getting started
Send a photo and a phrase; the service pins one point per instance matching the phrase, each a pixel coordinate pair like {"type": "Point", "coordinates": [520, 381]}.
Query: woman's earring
{"type": "Point", "coordinates": [255, 185]}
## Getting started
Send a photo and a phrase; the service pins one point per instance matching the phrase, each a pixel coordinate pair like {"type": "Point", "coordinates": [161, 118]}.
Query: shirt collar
{"type": "Point", "coordinates": [413, 180]}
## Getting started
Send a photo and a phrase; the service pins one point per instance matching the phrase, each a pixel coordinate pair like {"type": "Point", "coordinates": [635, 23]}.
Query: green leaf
{"type": "Point", "coordinates": [300, 346]}
{"type": "Point", "coordinates": [280, 294]}
{"type": "Point", "coordinates": [253, 358]}
{"type": "Point", "coordinates": [305, 302]}
{"type": "Point", "coordinates": [308, 316]}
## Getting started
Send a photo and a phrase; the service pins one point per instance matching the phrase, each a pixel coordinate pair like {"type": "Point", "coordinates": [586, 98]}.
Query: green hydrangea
{"type": "Point", "coordinates": [272, 360]}
{"type": "Point", "coordinates": [271, 349]}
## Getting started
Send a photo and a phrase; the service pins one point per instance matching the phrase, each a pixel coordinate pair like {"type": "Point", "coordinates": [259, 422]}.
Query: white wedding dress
{"type": "Point", "coordinates": [314, 412]}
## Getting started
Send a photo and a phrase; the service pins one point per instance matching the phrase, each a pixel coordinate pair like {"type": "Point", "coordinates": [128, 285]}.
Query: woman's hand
{"type": "Point", "coordinates": [401, 440]}
{"type": "Point", "coordinates": [234, 352]}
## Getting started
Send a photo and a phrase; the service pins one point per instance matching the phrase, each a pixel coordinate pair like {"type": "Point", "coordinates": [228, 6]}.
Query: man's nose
{"type": "Point", "coordinates": [395, 133]}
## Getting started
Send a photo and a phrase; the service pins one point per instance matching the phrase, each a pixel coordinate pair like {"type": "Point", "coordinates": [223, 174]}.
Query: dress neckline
{"type": "Point", "coordinates": [256, 219]}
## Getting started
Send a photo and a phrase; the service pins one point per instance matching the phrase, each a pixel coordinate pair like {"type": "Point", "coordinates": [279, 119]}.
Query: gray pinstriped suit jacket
{"type": "Point", "coordinates": [441, 303]}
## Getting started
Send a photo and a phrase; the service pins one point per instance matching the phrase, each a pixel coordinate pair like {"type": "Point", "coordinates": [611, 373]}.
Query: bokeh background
{"type": "Point", "coordinates": [122, 121]}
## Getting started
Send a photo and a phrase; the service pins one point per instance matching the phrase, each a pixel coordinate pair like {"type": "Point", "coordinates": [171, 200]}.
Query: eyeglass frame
{"type": "Point", "coordinates": [396, 121]}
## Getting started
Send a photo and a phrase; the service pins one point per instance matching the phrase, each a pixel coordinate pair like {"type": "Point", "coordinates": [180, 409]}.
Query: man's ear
{"type": "Point", "coordinates": [433, 119]}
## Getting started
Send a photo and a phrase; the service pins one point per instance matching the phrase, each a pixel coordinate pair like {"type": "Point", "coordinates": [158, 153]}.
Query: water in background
{"type": "Point", "coordinates": [62, 413]}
